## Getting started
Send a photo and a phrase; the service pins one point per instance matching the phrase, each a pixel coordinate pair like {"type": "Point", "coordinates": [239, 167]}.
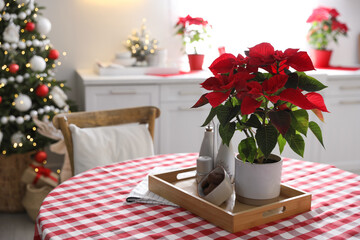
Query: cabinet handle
{"type": "Point", "coordinates": [191, 109]}
{"type": "Point", "coordinates": [349, 87]}
{"type": "Point", "coordinates": [186, 93]}
{"type": "Point", "coordinates": [129, 92]}
{"type": "Point", "coordinates": [355, 102]}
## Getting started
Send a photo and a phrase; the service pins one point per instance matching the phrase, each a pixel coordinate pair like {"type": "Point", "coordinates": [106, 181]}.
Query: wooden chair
{"type": "Point", "coordinates": [142, 115]}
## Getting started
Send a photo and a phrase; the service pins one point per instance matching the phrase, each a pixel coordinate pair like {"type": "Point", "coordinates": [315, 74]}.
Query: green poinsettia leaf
{"type": "Point", "coordinates": [227, 131]}
{"type": "Point", "coordinates": [308, 83]}
{"type": "Point", "coordinates": [296, 142]}
{"type": "Point", "coordinates": [281, 120]}
{"type": "Point", "coordinates": [247, 149]}
{"type": "Point", "coordinates": [253, 121]}
{"type": "Point", "coordinates": [281, 142]}
{"type": "Point", "coordinates": [227, 112]}
{"type": "Point", "coordinates": [314, 127]}
{"type": "Point", "coordinates": [210, 117]}
{"type": "Point", "coordinates": [266, 138]}
{"type": "Point", "coordinates": [293, 81]}
{"type": "Point", "coordinates": [300, 121]}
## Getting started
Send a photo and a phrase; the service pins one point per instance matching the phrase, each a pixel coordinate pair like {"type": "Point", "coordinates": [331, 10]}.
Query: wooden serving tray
{"type": "Point", "coordinates": [180, 187]}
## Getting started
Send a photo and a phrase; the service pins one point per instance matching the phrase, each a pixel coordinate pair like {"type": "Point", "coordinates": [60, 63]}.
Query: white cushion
{"type": "Point", "coordinates": [105, 145]}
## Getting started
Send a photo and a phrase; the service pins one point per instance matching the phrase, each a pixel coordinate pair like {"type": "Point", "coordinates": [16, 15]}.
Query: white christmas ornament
{"type": "Point", "coordinates": [41, 111]}
{"type": "Point", "coordinates": [6, 46]}
{"type": "Point", "coordinates": [31, 5]}
{"type": "Point", "coordinates": [19, 78]}
{"type": "Point", "coordinates": [2, 5]}
{"type": "Point", "coordinates": [36, 43]}
{"type": "Point", "coordinates": [58, 96]}
{"type": "Point", "coordinates": [17, 137]}
{"type": "Point", "coordinates": [23, 103]}
{"type": "Point", "coordinates": [47, 109]}
{"type": "Point", "coordinates": [22, 15]}
{"type": "Point", "coordinates": [37, 63]}
{"type": "Point", "coordinates": [1, 137]}
{"type": "Point", "coordinates": [12, 118]}
{"type": "Point", "coordinates": [14, 45]}
{"type": "Point", "coordinates": [33, 113]}
{"type": "Point", "coordinates": [20, 120]}
{"type": "Point", "coordinates": [28, 43]}
{"type": "Point", "coordinates": [11, 79]}
{"type": "Point", "coordinates": [6, 16]}
{"type": "Point", "coordinates": [22, 45]}
{"type": "Point", "coordinates": [11, 33]}
{"type": "Point", "coordinates": [4, 120]}
{"type": "Point", "coordinates": [27, 117]}
{"type": "Point", "coordinates": [43, 25]}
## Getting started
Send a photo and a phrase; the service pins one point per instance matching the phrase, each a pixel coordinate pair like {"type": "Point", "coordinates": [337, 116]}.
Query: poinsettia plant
{"type": "Point", "coordinates": [325, 27]}
{"type": "Point", "coordinates": [265, 95]}
{"type": "Point", "coordinates": [192, 31]}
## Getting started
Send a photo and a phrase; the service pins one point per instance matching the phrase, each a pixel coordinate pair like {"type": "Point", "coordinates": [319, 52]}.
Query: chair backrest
{"type": "Point", "coordinates": [142, 115]}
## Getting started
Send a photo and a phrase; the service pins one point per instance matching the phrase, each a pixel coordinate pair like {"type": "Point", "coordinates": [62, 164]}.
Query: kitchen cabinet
{"type": "Point", "coordinates": [178, 128]}
{"type": "Point", "coordinates": [341, 129]}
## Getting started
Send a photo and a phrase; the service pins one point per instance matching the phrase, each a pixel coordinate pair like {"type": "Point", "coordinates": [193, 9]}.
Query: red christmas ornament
{"type": "Point", "coordinates": [53, 54]}
{"type": "Point", "coordinates": [30, 26]}
{"type": "Point", "coordinates": [42, 90]}
{"type": "Point", "coordinates": [13, 68]}
{"type": "Point", "coordinates": [40, 156]}
{"type": "Point", "coordinates": [0, 99]}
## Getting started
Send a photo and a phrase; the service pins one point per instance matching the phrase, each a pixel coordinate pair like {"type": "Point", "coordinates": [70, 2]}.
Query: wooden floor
{"type": "Point", "coordinates": [16, 226]}
{"type": "Point", "coordinates": [19, 226]}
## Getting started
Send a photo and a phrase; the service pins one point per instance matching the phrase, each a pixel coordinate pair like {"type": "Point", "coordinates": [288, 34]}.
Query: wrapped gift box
{"type": "Point", "coordinates": [40, 176]}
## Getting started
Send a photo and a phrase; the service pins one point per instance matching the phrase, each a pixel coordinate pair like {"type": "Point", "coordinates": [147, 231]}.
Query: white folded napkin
{"type": "Point", "coordinates": [141, 193]}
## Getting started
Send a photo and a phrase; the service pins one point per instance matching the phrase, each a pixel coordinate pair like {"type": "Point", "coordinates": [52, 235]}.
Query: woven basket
{"type": "Point", "coordinates": [12, 190]}
{"type": "Point", "coordinates": [33, 199]}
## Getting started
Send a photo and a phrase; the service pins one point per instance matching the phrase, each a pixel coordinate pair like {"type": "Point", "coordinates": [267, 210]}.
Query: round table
{"type": "Point", "coordinates": [92, 205]}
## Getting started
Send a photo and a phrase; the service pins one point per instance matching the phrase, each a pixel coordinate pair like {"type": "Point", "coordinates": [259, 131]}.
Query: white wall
{"type": "Point", "coordinates": [90, 30]}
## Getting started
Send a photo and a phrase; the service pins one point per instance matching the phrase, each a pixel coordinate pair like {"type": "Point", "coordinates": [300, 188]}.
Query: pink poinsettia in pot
{"type": "Point", "coordinates": [266, 95]}
{"type": "Point", "coordinates": [194, 32]}
{"type": "Point", "coordinates": [325, 28]}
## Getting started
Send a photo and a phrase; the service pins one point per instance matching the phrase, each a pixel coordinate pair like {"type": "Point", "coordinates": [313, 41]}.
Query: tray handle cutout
{"type": "Point", "coordinates": [186, 175]}
{"type": "Point", "coordinates": [275, 211]}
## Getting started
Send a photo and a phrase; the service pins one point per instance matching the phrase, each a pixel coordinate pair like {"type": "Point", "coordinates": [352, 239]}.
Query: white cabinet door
{"type": "Point", "coordinates": [341, 132]}
{"type": "Point", "coordinates": [112, 97]}
{"type": "Point", "coordinates": [181, 129]}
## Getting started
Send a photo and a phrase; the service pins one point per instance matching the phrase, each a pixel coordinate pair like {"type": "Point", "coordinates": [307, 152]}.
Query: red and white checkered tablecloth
{"type": "Point", "coordinates": [93, 205]}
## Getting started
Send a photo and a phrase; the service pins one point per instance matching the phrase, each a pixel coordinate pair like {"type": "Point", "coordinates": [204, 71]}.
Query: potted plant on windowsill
{"type": "Point", "coordinates": [261, 96]}
{"type": "Point", "coordinates": [194, 31]}
{"type": "Point", "coordinates": [324, 28]}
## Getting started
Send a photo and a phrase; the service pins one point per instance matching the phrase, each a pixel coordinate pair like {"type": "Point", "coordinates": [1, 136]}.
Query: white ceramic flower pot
{"type": "Point", "coordinates": [258, 184]}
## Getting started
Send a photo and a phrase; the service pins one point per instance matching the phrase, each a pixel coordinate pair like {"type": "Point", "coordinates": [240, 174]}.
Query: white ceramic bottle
{"type": "Point", "coordinates": [226, 158]}
{"type": "Point", "coordinates": [207, 145]}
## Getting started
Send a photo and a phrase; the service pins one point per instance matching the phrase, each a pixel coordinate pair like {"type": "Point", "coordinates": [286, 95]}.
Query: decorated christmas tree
{"type": "Point", "coordinates": [28, 88]}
